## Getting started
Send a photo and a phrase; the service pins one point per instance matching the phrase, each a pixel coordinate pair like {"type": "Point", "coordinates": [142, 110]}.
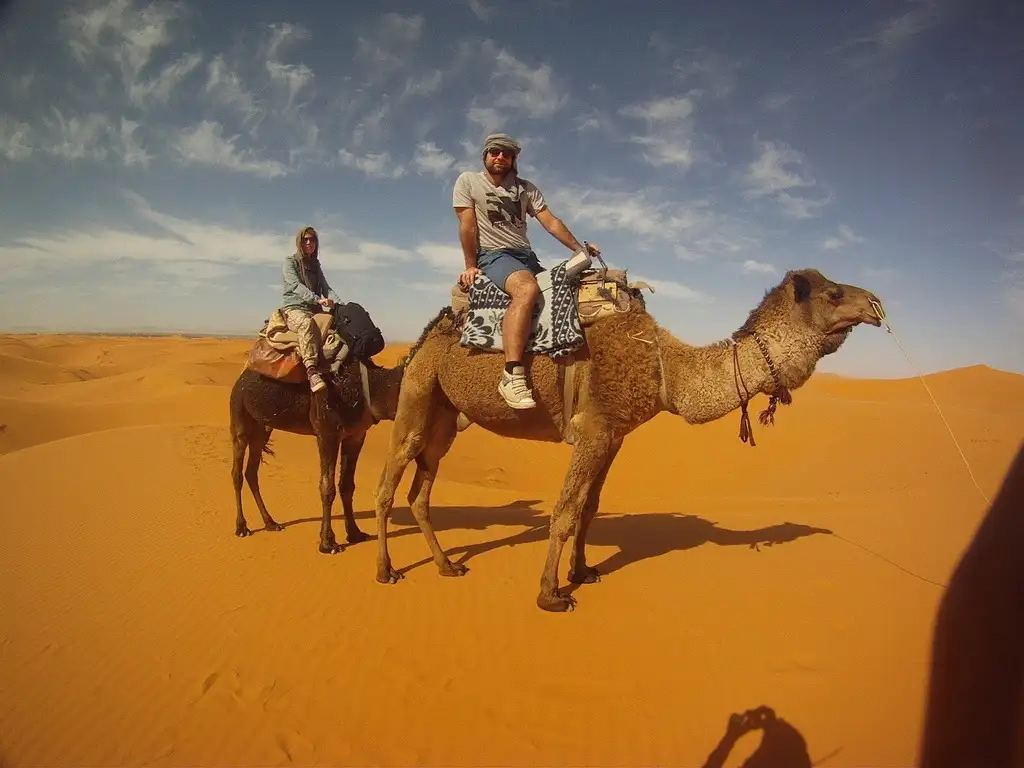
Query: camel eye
{"type": "Point", "coordinates": [836, 294]}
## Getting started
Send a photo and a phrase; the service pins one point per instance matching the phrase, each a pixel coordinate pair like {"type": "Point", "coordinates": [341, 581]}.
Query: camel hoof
{"type": "Point", "coordinates": [274, 526]}
{"type": "Point", "coordinates": [356, 537]}
{"type": "Point", "coordinates": [330, 547]}
{"type": "Point", "coordinates": [556, 603]}
{"type": "Point", "coordinates": [453, 569]}
{"type": "Point", "coordinates": [389, 576]}
{"type": "Point", "coordinates": [243, 532]}
{"type": "Point", "coordinates": [588, 574]}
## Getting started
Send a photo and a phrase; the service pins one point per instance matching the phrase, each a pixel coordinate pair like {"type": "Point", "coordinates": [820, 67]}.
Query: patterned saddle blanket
{"type": "Point", "coordinates": [556, 329]}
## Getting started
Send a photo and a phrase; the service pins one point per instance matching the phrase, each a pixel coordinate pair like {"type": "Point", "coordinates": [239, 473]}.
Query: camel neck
{"type": "Point", "coordinates": [702, 382]}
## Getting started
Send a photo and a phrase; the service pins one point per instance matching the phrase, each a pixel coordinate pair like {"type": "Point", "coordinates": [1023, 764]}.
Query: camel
{"type": "Point", "coordinates": [628, 370]}
{"type": "Point", "coordinates": [338, 416]}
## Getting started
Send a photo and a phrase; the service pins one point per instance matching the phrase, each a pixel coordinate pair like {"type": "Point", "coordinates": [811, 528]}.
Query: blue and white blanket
{"type": "Point", "coordinates": [556, 329]}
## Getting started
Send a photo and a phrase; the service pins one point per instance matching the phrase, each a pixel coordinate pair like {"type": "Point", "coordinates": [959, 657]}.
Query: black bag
{"type": "Point", "coordinates": [354, 325]}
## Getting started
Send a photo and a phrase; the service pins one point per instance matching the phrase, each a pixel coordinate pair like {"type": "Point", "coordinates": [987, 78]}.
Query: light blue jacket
{"type": "Point", "coordinates": [305, 293]}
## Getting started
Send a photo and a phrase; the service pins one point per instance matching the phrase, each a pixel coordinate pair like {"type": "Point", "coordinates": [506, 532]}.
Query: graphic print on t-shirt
{"type": "Point", "coordinates": [502, 211]}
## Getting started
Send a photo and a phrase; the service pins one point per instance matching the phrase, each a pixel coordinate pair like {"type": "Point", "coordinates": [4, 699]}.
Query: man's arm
{"type": "Point", "coordinates": [558, 230]}
{"type": "Point", "coordinates": [468, 235]}
{"type": "Point", "coordinates": [292, 283]}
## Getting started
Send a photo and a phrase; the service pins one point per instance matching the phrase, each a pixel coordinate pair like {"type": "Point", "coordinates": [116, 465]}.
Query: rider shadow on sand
{"type": "Point", "coordinates": [638, 536]}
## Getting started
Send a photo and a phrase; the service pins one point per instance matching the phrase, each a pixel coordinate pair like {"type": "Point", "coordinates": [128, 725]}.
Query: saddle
{"type": "Point", "coordinates": [599, 293]}
{"type": "Point", "coordinates": [275, 355]}
{"type": "Point", "coordinates": [558, 321]}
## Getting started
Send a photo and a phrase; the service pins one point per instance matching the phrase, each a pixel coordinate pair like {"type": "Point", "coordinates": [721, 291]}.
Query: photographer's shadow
{"type": "Point", "coordinates": [782, 745]}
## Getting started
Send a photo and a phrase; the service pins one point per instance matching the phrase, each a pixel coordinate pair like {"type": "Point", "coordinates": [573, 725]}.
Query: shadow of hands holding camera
{"type": "Point", "coordinates": [781, 746]}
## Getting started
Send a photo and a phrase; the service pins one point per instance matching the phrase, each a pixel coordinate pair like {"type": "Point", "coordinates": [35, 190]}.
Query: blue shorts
{"type": "Point", "coordinates": [498, 264]}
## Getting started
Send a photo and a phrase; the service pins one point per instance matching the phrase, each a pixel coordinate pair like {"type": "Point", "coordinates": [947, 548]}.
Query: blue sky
{"type": "Point", "coordinates": [158, 157]}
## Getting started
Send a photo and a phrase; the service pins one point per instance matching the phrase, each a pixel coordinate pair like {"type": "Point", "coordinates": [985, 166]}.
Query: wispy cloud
{"type": "Point", "coordinates": [675, 290]}
{"type": "Point", "coordinates": [896, 31]}
{"type": "Point", "coordinates": [15, 139]}
{"type": "Point", "coordinates": [1014, 293]}
{"type": "Point", "coordinates": [751, 267]}
{"type": "Point", "coordinates": [843, 237]}
{"type": "Point", "coordinates": [669, 128]}
{"type": "Point", "coordinates": [640, 213]}
{"type": "Point", "coordinates": [776, 102]}
{"type": "Point", "coordinates": [431, 159]}
{"type": "Point", "coordinates": [442, 257]}
{"type": "Point", "coordinates": [778, 169]}
{"type": "Point", "coordinates": [480, 10]}
{"type": "Point", "coordinates": [186, 248]}
{"type": "Point", "coordinates": [532, 90]}
{"type": "Point", "coordinates": [378, 165]}
{"type": "Point", "coordinates": [670, 109]}
{"type": "Point", "coordinates": [206, 145]}
{"type": "Point", "coordinates": [158, 89]}
{"type": "Point", "coordinates": [708, 70]}
{"type": "Point", "coordinates": [382, 45]}
{"type": "Point", "coordinates": [118, 32]}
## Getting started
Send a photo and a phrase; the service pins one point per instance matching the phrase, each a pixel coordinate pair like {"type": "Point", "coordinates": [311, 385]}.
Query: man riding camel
{"type": "Point", "coordinates": [491, 206]}
{"type": "Point", "coordinates": [306, 292]}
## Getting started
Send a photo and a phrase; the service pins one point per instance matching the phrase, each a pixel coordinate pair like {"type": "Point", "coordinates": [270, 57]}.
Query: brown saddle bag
{"type": "Point", "coordinates": [277, 357]}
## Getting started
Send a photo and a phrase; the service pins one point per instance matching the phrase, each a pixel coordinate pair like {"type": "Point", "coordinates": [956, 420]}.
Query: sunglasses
{"type": "Point", "coordinates": [309, 239]}
{"type": "Point", "coordinates": [510, 154]}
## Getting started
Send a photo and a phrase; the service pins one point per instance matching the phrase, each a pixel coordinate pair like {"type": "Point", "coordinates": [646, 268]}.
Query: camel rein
{"type": "Point", "coordinates": [781, 393]}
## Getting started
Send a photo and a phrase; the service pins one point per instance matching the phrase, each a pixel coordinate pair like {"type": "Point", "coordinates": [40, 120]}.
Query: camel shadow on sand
{"type": "Point", "coordinates": [638, 536]}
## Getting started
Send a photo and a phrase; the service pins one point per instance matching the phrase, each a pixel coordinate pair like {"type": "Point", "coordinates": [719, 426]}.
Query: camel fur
{"type": "Point", "coordinates": [618, 384]}
{"type": "Point", "coordinates": [338, 416]}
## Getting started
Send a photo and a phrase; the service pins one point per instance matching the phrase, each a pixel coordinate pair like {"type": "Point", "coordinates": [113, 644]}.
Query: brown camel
{"type": "Point", "coordinates": [628, 371]}
{"type": "Point", "coordinates": [339, 416]}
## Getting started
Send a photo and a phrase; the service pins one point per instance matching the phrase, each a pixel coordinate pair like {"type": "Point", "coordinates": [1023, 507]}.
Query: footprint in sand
{"type": "Point", "coordinates": [208, 683]}
{"type": "Point", "coordinates": [296, 748]}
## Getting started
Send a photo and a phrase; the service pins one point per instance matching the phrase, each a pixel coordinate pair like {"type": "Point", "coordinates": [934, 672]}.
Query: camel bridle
{"type": "Point", "coordinates": [780, 394]}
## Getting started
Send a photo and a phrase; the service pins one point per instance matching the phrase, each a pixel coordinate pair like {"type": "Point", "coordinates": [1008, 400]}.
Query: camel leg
{"type": "Point", "coordinates": [589, 458]}
{"type": "Point", "coordinates": [328, 445]}
{"type": "Point", "coordinates": [257, 440]}
{"type": "Point", "coordinates": [440, 439]}
{"type": "Point", "coordinates": [239, 442]}
{"type": "Point", "coordinates": [350, 448]}
{"type": "Point", "coordinates": [412, 419]}
{"type": "Point", "coordinates": [579, 571]}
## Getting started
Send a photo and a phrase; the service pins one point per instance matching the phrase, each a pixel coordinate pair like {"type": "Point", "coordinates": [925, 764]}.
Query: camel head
{"type": "Point", "coordinates": [806, 317]}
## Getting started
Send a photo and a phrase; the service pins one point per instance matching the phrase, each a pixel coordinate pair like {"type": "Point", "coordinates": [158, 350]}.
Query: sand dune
{"type": "Point", "coordinates": [803, 574]}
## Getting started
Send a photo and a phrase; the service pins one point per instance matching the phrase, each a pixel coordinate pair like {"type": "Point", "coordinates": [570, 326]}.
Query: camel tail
{"type": "Point", "coordinates": [267, 451]}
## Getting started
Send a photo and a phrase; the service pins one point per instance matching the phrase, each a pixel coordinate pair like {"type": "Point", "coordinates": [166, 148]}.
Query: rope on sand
{"type": "Point", "coordinates": [890, 562]}
{"type": "Point", "coordinates": [881, 316]}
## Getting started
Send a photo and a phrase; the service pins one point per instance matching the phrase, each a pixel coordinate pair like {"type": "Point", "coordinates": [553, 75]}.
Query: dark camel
{"type": "Point", "coordinates": [629, 371]}
{"type": "Point", "coordinates": [338, 416]}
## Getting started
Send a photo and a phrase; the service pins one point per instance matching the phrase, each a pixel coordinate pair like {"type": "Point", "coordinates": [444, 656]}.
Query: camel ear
{"type": "Point", "coordinates": [801, 287]}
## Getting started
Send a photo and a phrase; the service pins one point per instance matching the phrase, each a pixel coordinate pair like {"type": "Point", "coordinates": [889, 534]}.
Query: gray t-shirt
{"type": "Point", "coordinates": [500, 211]}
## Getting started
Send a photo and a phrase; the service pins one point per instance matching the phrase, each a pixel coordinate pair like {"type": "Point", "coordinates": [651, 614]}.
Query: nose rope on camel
{"type": "Point", "coordinates": [880, 314]}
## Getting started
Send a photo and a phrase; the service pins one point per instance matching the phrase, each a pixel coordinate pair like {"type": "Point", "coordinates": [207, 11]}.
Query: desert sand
{"type": "Point", "coordinates": [803, 574]}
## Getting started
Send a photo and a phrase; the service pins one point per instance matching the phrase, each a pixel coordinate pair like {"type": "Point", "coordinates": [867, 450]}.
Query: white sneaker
{"type": "Point", "coordinates": [513, 388]}
{"type": "Point", "coordinates": [316, 382]}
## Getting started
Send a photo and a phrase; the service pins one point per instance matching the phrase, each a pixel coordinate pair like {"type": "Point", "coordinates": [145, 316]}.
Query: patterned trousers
{"type": "Point", "coordinates": [300, 322]}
